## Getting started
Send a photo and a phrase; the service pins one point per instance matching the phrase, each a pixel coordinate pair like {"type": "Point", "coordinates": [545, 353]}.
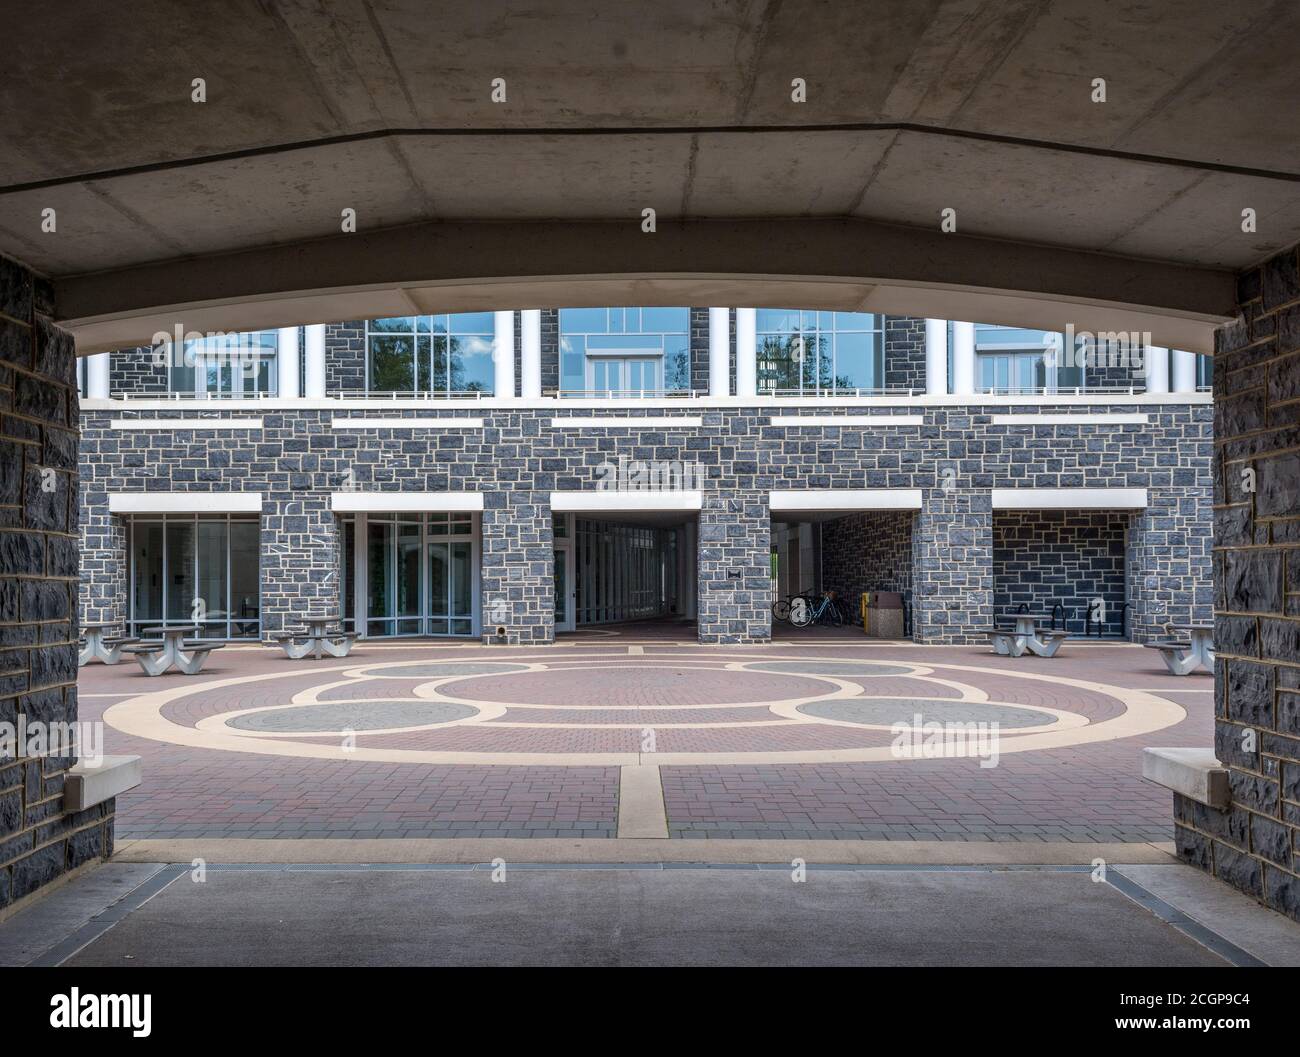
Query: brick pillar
{"type": "Point", "coordinates": [518, 573]}
{"type": "Point", "coordinates": [38, 586]}
{"type": "Point", "coordinates": [952, 547]}
{"type": "Point", "coordinates": [300, 559]}
{"type": "Point", "coordinates": [1254, 844]}
{"type": "Point", "coordinates": [735, 568]}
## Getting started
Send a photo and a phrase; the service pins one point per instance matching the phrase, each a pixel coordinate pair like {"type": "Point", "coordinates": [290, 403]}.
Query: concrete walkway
{"type": "Point", "coordinates": [137, 914]}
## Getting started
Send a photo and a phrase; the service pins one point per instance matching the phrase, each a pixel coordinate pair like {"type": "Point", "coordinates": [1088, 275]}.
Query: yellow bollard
{"type": "Point", "coordinates": [866, 607]}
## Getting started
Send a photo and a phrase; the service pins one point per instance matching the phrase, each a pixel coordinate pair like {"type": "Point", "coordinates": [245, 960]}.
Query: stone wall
{"type": "Point", "coordinates": [345, 356]}
{"type": "Point", "coordinates": [1254, 844]}
{"type": "Point", "coordinates": [39, 840]}
{"type": "Point", "coordinates": [956, 457]}
{"type": "Point", "coordinates": [1043, 558]}
{"type": "Point", "coordinates": [138, 370]}
{"type": "Point", "coordinates": [868, 552]}
{"type": "Point", "coordinates": [904, 356]}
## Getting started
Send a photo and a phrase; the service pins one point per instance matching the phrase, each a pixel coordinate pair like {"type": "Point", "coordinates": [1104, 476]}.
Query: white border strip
{"type": "Point", "coordinates": [401, 502]}
{"type": "Point", "coordinates": [626, 422]}
{"type": "Point", "coordinates": [1069, 499]}
{"type": "Point", "coordinates": [406, 423]}
{"type": "Point", "coordinates": [1071, 420]}
{"type": "Point", "coordinates": [184, 502]}
{"type": "Point", "coordinates": [185, 423]}
{"type": "Point", "coordinates": [848, 420]}
{"type": "Point", "coordinates": [847, 499]}
{"type": "Point", "coordinates": [618, 501]}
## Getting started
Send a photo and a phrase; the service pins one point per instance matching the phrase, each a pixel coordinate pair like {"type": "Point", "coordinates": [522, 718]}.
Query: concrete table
{"type": "Point", "coordinates": [1200, 651]}
{"type": "Point", "coordinates": [1026, 637]}
{"type": "Point", "coordinates": [173, 651]}
{"type": "Point", "coordinates": [97, 648]}
{"type": "Point", "coordinates": [319, 639]}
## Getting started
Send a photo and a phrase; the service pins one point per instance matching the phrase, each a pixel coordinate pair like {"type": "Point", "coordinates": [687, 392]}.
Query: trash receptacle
{"type": "Point", "coordinates": [885, 615]}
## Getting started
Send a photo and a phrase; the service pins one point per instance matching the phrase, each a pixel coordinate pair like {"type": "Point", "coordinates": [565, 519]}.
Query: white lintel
{"type": "Point", "coordinates": [185, 423]}
{"type": "Point", "coordinates": [847, 499]}
{"type": "Point", "coordinates": [406, 423]}
{"type": "Point", "coordinates": [404, 502]}
{"type": "Point", "coordinates": [626, 422]}
{"type": "Point", "coordinates": [184, 502]}
{"type": "Point", "coordinates": [1100, 419]}
{"type": "Point", "coordinates": [614, 500]}
{"type": "Point", "coordinates": [848, 420]}
{"type": "Point", "coordinates": [1069, 499]}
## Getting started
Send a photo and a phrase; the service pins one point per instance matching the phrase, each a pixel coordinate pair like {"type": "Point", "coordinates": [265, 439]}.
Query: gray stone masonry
{"type": "Point", "coordinates": [39, 841]}
{"type": "Point", "coordinates": [956, 457]}
{"type": "Point", "coordinates": [1254, 844]}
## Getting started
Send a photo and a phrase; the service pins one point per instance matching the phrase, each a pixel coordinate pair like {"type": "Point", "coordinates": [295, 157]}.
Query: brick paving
{"type": "Point", "coordinates": [597, 697]}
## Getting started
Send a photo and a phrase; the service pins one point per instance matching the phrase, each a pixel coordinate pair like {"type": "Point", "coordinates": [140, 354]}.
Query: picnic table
{"type": "Point", "coordinates": [1025, 637]}
{"type": "Point", "coordinates": [324, 634]}
{"type": "Point", "coordinates": [159, 657]}
{"type": "Point", "coordinates": [100, 645]}
{"type": "Point", "coordinates": [1183, 656]}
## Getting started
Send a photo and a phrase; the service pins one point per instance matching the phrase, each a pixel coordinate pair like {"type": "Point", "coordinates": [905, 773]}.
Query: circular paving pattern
{"type": "Point", "coordinates": [886, 712]}
{"type": "Point", "coordinates": [610, 705]}
{"type": "Point", "coordinates": [350, 715]}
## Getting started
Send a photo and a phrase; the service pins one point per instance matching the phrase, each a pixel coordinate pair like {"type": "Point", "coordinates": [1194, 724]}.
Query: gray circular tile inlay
{"type": "Point", "coordinates": [351, 715]}
{"type": "Point", "coordinates": [848, 669]}
{"type": "Point", "coordinates": [435, 671]}
{"type": "Point", "coordinates": [885, 712]}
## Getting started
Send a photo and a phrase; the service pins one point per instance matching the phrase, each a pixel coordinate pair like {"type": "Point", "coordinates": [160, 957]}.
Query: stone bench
{"type": "Point", "coordinates": [1176, 654]}
{"type": "Point", "coordinates": [1193, 773]}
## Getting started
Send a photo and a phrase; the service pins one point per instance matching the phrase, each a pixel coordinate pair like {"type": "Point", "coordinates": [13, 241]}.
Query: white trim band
{"type": "Point", "coordinates": [406, 423]}
{"type": "Point", "coordinates": [848, 420]}
{"type": "Point", "coordinates": [184, 502]}
{"type": "Point", "coordinates": [622, 501]}
{"type": "Point", "coordinates": [847, 499]}
{"type": "Point", "coordinates": [405, 502]}
{"type": "Point", "coordinates": [626, 422]}
{"type": "Point", "coordinates": [1069, 499]}
{"type": "Point", "coordinates": [1072, 420]}
{"type": "Point", "coordinates": [185, 423]}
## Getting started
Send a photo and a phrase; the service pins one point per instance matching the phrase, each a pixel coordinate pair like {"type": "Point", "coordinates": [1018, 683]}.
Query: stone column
{"type": "Point", "coordinates": [314, 361]}
{"type": "Point", "coordinates": [530, 353]}
{"type": "Point", "coordinates": [746, 351]}
{"type": "Point", "coordinates": [286, 362]}
{"type": "Point", "coordinates": [301, 557]}
{"type": "Point", "coordinates": [963, 358]}
{"type": "Point", "coordinates": [1253, 843]}
{"type": "Point", "coordinates": [39, 840]}
{"type": "Point", "coordinates": [719, 352]}
{"type": "Point", "coordinates": [518, 571]}
{"type": "Point", "coordinates": [104, 593]}
{"type": "Point", "coordinates": [952, 560]}
{"type": "Point", "coordinates": [1168, 555]}
{"type": "Point", "coordinates": [936, 357]}
{"type": "Point", "coordinates": [734, 567]}
{"type": "Point", "coordinates": [503, 354]}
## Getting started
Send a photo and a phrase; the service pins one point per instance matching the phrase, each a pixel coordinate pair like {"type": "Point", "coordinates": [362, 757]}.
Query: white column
{"type": "Point", "coordinates": [1184, 379]}
{"type": "Point", "coordinates": [503, 354]}
{"type": "Point", "coordinates": [286, 362]}
{"type": "Point", "coordinates": [1157, 366]}
{"type": "Point", "coordinates": [963, 359]}
{"type": "Point", "coordinates": [360, 550]}
{"type": "Point", "coordinates": [719, 352]}
{"type": "Point", "coordinates": [746, 351]}
{"type": "Point", "coordinates": [97, 370]}
{"type": "Point", "coordinates": [314, 346]}
{"type": "Point", "coordinates": [530, 353]}
{"type": "Point", "coordinates": [936, 357]}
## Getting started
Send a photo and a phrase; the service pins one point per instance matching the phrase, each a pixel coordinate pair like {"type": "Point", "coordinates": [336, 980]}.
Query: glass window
{"type": "Point", "coordinates": [807, 351]}
{"type": "Point", "coordinates": [624, 351]}
{"type": "Point", "coordinates": [236, 364]}
{"type": "Point", "coordinates": [196, 569]}
{"type": "Point", "coordinates": [440, 354]}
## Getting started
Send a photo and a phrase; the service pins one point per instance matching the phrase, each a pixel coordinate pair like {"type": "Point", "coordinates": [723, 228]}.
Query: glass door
{"type": "Point", "coordinates": [451, 587]}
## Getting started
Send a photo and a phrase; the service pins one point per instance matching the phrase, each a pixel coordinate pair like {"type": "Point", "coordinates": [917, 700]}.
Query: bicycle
{"type": "Point", "coordinates": [823, 611]}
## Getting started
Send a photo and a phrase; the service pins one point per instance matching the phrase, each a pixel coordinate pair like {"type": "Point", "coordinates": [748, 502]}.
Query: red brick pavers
{"type": "Point", "coordinates": [1074, 792]}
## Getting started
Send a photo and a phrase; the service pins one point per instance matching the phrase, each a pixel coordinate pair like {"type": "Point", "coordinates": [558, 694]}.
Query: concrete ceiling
{"type": "Point", "coordinates": [384, 106]}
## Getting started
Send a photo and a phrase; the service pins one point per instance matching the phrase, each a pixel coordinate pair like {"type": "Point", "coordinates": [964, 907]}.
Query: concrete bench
{"type": "Point", "coordinates": [1194, 773]}
{"type": "Point", "coordinates": [1177, 655]}
{"type": "Point", "coordinates": [1002, 640]}
{"type": "Point", "coordinates": [158, 657]}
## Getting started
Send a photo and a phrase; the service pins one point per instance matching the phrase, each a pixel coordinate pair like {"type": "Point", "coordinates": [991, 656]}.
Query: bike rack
{"type": "Point", "coordinates": [1054, 609]}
